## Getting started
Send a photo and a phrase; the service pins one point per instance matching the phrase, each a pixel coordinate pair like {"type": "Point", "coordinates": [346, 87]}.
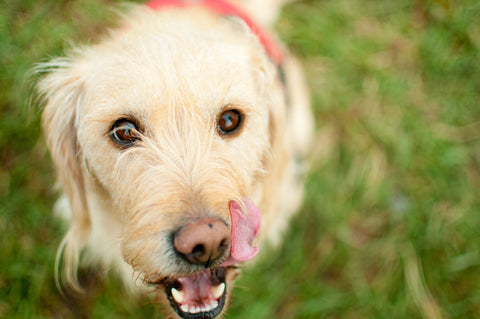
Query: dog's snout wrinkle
{"type": "Point", "coordinates": [203, 242]}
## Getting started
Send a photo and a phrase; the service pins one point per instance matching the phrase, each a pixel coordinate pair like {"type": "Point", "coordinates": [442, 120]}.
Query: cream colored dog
{"type": "Point", "coordinates": [172, 138]}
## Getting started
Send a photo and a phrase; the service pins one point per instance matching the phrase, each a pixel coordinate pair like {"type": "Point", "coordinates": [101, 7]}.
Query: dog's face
{"type": "Point", "coordinates": [163, 139]}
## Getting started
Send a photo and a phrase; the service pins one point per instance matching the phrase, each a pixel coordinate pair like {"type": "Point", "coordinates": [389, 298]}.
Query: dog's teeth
{"type": "Point", "coordinates": [210, 306]}
{"type": "Point", "coordinates": [178, 295]}
{"type": "Point", "coordinates": [218, 290]}
{"type": "Point", "coordinates": [198, 309]}
{"type": "Point", "coordinates": [184, 308]}
{"type": "Point", "coordinates": [213, 304]}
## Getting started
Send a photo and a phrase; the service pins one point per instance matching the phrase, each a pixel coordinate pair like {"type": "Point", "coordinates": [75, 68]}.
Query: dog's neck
{"type": "Point", "coordinates": [223, 7]}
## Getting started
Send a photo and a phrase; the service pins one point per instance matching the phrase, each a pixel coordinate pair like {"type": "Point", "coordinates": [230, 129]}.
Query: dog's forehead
{"type": "Point", "coordinates": [154, 74]}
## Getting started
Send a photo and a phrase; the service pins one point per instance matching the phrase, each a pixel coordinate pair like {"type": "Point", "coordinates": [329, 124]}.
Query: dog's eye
{"type": "Point", "coordinates": [229, 121]}
{"type": "Point", "coordinates": [124, 132]}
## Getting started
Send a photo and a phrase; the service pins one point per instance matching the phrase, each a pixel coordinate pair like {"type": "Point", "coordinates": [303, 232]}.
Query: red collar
{"type": "Point", "coordinates": [225, 8]}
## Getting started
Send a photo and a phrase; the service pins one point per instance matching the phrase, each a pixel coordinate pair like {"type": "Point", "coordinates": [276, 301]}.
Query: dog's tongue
{"type": "Point", "coordinates": [244, 229]}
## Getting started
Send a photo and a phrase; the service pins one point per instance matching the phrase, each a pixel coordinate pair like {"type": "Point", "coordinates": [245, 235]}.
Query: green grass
{"type": "Point", "coordinates": [390, 224]}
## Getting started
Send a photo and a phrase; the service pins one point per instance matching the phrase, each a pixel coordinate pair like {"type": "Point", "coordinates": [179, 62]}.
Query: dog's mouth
{"type": "Point", "coordinates": [203, 295]}
{"type": "Point", "coordinates": [199, 296]}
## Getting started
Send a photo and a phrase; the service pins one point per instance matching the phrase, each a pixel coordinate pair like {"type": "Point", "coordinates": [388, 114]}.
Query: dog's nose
{"type": "Point", "coordinates": [203, 242]}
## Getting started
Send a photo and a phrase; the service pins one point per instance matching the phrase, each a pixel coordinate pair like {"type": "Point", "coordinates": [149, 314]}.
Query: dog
{"type": "Point", "coordinates": [178, 141]}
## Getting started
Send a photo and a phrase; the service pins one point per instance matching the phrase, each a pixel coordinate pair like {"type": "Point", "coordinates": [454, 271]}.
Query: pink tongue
{"type": "Point", "coordinates": [244, 230]}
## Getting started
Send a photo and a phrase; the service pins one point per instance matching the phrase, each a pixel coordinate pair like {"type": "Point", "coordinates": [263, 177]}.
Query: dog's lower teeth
{"type": "Point", "coordinates": [178, 295]}
{"type": "Point", "coordinates": [213, 305]}
{"type": "Point", "coordinates": [198, 309]}
{"type": "Point", "coordinates": [218, 290]}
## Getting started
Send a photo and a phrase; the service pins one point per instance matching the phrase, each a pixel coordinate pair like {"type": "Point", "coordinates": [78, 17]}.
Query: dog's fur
{"type": "Point", "coordinates": [173, 71]}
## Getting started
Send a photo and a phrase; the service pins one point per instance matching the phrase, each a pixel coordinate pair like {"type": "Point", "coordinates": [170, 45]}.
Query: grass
{"type": "Point", "coordinates": [390, 223]}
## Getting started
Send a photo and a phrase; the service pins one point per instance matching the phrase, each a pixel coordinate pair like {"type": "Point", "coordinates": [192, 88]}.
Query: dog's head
{"type": "Point", "coordinates": [162, 136]}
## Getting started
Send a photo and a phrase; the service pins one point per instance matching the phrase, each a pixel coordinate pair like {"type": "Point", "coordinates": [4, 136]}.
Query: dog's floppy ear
{"type": "Point", "coordinates": [61, 91]}
{"type": "Point", "coordinates": [268, 80]}
{"type": "Point", "coordinates": [265, 73]}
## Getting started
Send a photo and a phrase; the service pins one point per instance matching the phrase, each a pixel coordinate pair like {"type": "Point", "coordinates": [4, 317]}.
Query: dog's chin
{"type": "Point", "coordinates": [202, 295]}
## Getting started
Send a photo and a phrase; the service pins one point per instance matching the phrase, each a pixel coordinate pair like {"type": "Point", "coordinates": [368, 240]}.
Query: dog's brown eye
{"type": "Point", "coordinates": [229, 121]}
{"type": "Point", "coordinates": [124, 132]}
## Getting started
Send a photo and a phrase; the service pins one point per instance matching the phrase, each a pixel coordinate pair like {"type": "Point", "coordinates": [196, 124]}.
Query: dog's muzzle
{"type": "Point", "coordinates": [203, 295]}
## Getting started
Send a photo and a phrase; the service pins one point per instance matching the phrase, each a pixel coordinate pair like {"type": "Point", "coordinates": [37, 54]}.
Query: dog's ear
{"type": "Point", "coordinates": [265, 75]}
{"type": "Point", "coordinates": [268, 82]}
{"type": "Point", "coordinates": [61, 91]}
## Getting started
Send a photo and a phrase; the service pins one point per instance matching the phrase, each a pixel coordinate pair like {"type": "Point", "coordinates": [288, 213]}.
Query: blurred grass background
{"type": "Point", "coordinates": [391, 222]}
